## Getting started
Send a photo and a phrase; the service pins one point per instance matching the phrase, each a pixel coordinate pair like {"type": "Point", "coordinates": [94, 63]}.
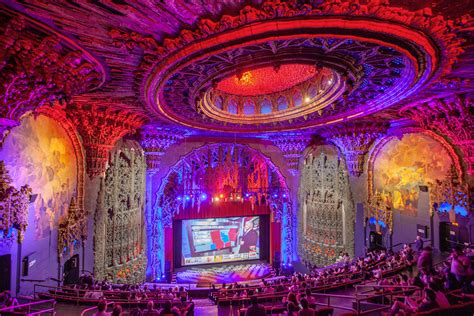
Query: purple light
{"type": "Point", "coordinates": [187, 198]}
{"type": "Point", "coordinates": [275, 195]}
{"type": "Point", "coordinates": [247, 195]}
{"type": "Point", "coordinates": [179, 198]}
{"type": "Point", "coordinates": [203, 196]}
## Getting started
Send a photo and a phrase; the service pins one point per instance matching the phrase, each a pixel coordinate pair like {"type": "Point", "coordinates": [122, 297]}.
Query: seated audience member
{"type": "Point", "coordinates": [428, 303]}
{"type": "Point", "coordinates": [168, 310]}
{"type": "Point", "coordinates": [305, 309]}
{"type": "Point", "coordinates": [292, 309]}
{"type": "Point", "coordinates": [188, 310]}
{"type": "Point", "coordinates": [6, 300]}
{"type": "Point", "coordinates": [255, 309]}
{"type": "Point", "coordinates": [101, 309]}
{"type": "Point", "coordinates": [117, 311]}
{"type": "Point", "coordinates": [150, 309]}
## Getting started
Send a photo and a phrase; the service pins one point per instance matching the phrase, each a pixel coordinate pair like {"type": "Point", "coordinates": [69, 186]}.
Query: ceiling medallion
{"type": "Point", "coordinates": [379, 55]}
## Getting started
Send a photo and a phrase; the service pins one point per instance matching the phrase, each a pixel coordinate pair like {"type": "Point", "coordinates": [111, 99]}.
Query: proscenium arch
{"type": "Point", "coordinates": [160, 215]}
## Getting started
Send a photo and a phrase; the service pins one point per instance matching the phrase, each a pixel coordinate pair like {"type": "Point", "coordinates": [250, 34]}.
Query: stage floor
{"type": "Point", "coordinates": [204, 276]}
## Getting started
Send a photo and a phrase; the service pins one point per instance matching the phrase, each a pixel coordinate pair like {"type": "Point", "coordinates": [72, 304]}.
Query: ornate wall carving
{"type": "Point", "coordinates": [100, 127]}
{"type": "Point", "coordinates": [326, 215]}
{"type": "Point", "coordinates": [292, 146]}
{"type": "Point", "coordinates": [119, 238]}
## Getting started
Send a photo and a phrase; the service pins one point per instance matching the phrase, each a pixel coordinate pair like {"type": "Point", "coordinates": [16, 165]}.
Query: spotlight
{"type": "Point", "coordinates": [216, 199]}
{"type": "Point", "coordinates": [179, 198]}
{"type": "Point", "coordinates": [307, 99]}
{"type": "Point", "coordinates": [221, 196]}
{"type": "Point", "coordinates": [187, 198]}
{"type": "Point", "coordinates": [247, 195]}
{"type": "Point", "coordinates": [203, 196]}
{"type": "Point", "coordinates": [284, 195]}
{"type": "Point", "coordinates": [275, 195]}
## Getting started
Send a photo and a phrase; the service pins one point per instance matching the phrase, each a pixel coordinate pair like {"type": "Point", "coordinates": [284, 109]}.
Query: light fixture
{"type": "Point", "coordinates": [307, 99]}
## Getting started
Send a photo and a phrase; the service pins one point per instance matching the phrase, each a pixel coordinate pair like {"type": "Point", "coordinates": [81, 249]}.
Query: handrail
{"type": "Point", "coordinates": [409, 243]}
{"type": "Point", "coordinates": [466, 244]}
{"type": "Point", "coordinates": [29, 305]}
{"type": "Point", "coordinates": [83, 313]}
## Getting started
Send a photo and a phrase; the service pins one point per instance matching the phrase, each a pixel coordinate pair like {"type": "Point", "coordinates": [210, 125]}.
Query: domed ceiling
{"type": "Point", "coordinates": [240, 68]}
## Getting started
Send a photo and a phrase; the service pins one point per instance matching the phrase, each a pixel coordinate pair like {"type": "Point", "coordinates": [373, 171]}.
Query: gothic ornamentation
{"type": "Point", "coordinates": [292, 146]}
{"type": "Point", "coordinates": [101, 126]}
{"type": "Point", "coordinates": [379, 210]}
{"type": "Point", "coordinates": [13, 205]}
{"type": "Point", "coordinates": [155, 141]}
{"type": "Point", "coordinates": [354, 141]}
{"type": "Point", "coordinates": [72, 229]}
{"type": "Point", "coordinates": [451, 117]}
{"type": "Point", "coordinates": [450, 195]}
{"type": "Point", "coordinates": [326, 216]}
{"type": "Point", "coordinates": [119, 237]}
{"type": "Point", "coordinates": [39, 66]}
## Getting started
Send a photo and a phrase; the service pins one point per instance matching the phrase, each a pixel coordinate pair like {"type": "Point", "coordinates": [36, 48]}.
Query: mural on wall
{"type": "Point", "coordinates": [326, 225]}
{"type": "Point", "coordinates": [40, 153]}
{"type": "Point", "coordinates": [402, 165]}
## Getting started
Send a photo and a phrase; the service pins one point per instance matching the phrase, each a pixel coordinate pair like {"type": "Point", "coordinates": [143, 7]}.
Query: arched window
{"type": "Point", "coordinates": [297, 99]}
{"type": "Point", "coordinates": [232, 107]}
{"type": "Point", "coordinates": [219, 102]}
{"type": "Point", "coordinates": [266, 107]}
{"type": "Point", "coordinates": [282, 103]}
{"type": "Point", "coordinates": [249, 107]}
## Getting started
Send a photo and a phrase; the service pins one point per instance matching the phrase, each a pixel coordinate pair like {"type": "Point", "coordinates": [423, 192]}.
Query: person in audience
{"type": "Point", "coordinates": [418, 244]}
{"type": "Point", "coordinates": [117, 311]}
{"type": "Point", "coordinates": [305, 309]}
{"type": "Point", "coordinates": [427, 303]}
{"type": "Point", "coordinates": [150, 309]}
{"type": "Point", "coordinates": [168, 309]}
{"type": "Point", "coordinates": [6, 299]}
{"type": "Point", "coordinates": [460, 265]}
{"type": "Point", "coordinates": [425, 261]}
{"type": "Point", "coordinates": [188, 310]}
{"type": "Point", "coordinates": [102, 309]}
{"type": "Point", "coordinates": [255, 309]}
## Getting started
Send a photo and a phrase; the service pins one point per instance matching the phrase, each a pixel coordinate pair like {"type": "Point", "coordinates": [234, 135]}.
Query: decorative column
{"type": "Point", "coordinates": [38, 67]}
{"type": "Point", "coordinates": [450, 117]}
{"type": "Point", "coordinates": [292, 146]}
{"type": "Point", "coordinates": [155, 141]}
{"type": "Point", "coordinates": [100, 127]}
{"type": "Point", "coordinates": [353, 141]}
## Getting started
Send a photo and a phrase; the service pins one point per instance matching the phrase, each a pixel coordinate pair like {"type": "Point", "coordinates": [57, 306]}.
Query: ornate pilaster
{"type": "Point", "coordinates": [292, 146]}
{"type": "Point", "coordinates": [155, 141]}
{"type": "Point", "coordinates": [100, 127]}
{"type": "Point", "coordinates": [353, 141]}
{"type": "Point", "coordinates": [451, 118]}
{"type": "Point", "coordinates": [38, 66]}
{"type": "Point", "coordinates": [72, 228]}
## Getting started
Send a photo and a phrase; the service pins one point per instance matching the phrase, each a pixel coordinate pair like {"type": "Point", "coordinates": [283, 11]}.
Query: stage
{"type": "Point", "coordinates": [205, 275]}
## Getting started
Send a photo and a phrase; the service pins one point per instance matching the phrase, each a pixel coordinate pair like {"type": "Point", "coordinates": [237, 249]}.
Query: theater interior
{"type": "Point", "coordinates": [236, 157]}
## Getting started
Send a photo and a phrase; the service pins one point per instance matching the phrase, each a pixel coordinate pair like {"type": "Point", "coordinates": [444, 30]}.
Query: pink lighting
{"type": "Point", "coordinates": [267, 80]}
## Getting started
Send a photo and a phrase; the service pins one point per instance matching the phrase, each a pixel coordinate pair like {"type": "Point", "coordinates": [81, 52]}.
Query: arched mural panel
{"type": "Point", "coordinates": [403, 164]}
{"type": "Point", "coordinates": [40, 153]}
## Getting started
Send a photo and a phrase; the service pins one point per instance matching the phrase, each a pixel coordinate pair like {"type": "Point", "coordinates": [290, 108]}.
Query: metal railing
{"type": "Point", "coordinates": [93, 309]}
{"type": "Point", "coordinates": [32, 308]}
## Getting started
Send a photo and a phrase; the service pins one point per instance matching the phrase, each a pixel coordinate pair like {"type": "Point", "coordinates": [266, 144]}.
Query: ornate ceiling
{"type": "Point", "coordinates": [237, 67]}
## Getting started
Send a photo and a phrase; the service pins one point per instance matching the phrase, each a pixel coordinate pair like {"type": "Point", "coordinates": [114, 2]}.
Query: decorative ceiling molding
{"type": "Point", "coordinates": [100, 127]}
{"type": "Point", "coordinates": [39, 66]}
{"type": "Point", "coordinates": [417, 36]}
{"type": "Point", "coordinates": [155, 141]}
{"type": "Point", "coordinates": [292, 147]}
{"type": "Point", "coordinates": [451, 117]}
{"type": "Point", "coordinates": [354, 141]}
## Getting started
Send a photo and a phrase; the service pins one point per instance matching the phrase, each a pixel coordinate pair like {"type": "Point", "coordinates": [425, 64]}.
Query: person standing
{"type": "Point", "coordinates": [418, 244]}
{"type": "Point", "coordinates": [255, 309]}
